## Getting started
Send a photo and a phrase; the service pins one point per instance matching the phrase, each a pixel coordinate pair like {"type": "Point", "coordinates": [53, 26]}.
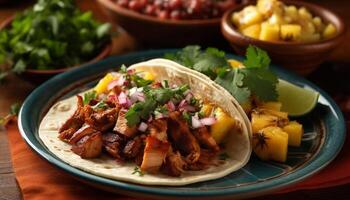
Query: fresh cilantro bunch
{"type": "Point", "coordinates": [52, 34]}
{"type": "Point", "coordinates": [255, 79]}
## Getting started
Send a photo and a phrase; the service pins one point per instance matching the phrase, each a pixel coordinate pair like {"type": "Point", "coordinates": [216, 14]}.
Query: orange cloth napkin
{"type": "Point", "coordinates": [39, 180]}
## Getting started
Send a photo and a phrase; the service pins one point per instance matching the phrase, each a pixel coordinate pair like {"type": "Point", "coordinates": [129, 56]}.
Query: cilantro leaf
{"type": "Point", "coordinates": [209, 64]}
{"type": "Point", "coordinates": [88, 97]}
{"type": "Point", "coordinates": [137, 171]}
{"type": "Point", "coordinates": [232, 81]}
{"type": "Point", "coordinates": [14, 109]}
{"type": "Point", "coordinates": [188, 56]}
{"type": "Point", "coordinates": [261, 82]}
{"type": "Point", "coordinates": [256, 58]}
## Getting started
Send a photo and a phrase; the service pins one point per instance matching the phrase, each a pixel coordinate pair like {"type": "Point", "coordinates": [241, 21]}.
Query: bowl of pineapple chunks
{"type": "Point", "coordinates": [297, 35]}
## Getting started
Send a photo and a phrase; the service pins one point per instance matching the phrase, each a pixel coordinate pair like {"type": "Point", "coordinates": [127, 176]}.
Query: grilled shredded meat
{"type": "Point", "coordinates": [182, 138]}
{"type": "Point", "coordinates": [133, 147]}
{"type": "Point", "coordinates": [113, 143]}
{"type": "Point", "coordinates": [122, 127]}
{"type": "Point", "coordinates": [80, 133]}
{"type": "Point", "coordinates": [158, 129]}
{"type": "Point", "coordinates": [174, 164]}
{"type": "Point", "coordinates": [89, 146]}
{"type": "Point", "coordinates": [204, 138]}
{"type": "Point", "coordinates": [73, 123]}
{"type": "Point", "coordinates": [104, 120]}
{"type": "Point", "coordinates": [154, 154]}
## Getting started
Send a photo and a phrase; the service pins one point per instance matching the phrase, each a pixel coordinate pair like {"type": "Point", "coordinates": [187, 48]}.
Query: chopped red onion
{"type": "Point", "coordinates": [171, 106]}
{"type": "Point", "coordinates": [112, 97]}
{"type": "Point", "coordinates": [182, 103]}
{"type": "Point", "coordinates": [150, 118]}
{"type": "Point", "coordinates": [143, 127]}
{"type": "Point", "coordinates": [124, 100]}
{"type": "Point", "coordinates": [115, 83]}
{"type": "Point", "coordinates": [187, 108]}
{"type": "Point", "coordinates": [137, 96]}
{"type": "Point", "coordinates": [208, 121]}
{"type": "Point", "coordinates": [188, 96]}
{"type": "Point", "coordinates": [196, 123]}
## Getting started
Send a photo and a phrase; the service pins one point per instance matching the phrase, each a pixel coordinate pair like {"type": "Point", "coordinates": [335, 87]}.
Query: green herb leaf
{"type": "Point", "coordinates": [138, 171]}
{"type": "Point", "coordinates": [232, 81]}
{"type": "Point", "coordinates": [100, 105]}
{"type": "Point", "coordinates": [19, 67]}
{"type": "Point", "coordinates": [256, 58]}
{"type": "Point", "coordinates": [88, 96]}
{"type": "Point", "coordinates": [14, 109]}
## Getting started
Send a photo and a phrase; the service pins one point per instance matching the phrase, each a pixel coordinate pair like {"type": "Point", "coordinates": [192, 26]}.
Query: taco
{"type": "Point", "coordinates": [154, 123]}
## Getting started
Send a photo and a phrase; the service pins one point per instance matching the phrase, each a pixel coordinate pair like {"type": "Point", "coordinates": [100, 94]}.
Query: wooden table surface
{"type": "Point", "coordinates": [15, 90]}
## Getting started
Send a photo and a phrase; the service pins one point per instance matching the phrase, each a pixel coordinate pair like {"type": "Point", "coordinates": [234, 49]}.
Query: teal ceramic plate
{"type": "Point", "coordinates": [323, 139]}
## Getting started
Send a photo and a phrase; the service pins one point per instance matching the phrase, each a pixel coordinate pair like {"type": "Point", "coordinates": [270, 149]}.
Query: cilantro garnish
{"type": "Point", "coordinates": [255, 79]}
{"type": "Point", "coordinates": [100, 105]}
{"type": "Point", "coordinates": [138, 171]}
{"type": "Point", "coordinates": [88, 96]}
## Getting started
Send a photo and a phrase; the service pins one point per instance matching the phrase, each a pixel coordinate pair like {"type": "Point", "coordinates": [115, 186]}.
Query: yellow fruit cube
{"type": "Point", "coordinates": [148, 76]}
{"type": "Point", "coordinates": [271, 143]}
{"type": "Point", "coordinates": [279, 114]}
{"type": "Point", "coordinates": [269, 7]}
{"type": "Point", "coordinates": [101, 86]}
{"type": "Point", "coordinates": [276, 19]}
{"type": "Point", "coordinates": [260, 121]}
{"type": "Point", "coordinates": [271, 105]}
{"type": "Point", "coordinates": [295, 133]}
{"type": "Point", "coordinates": [252, 31]}
{"type": "Point", "coordinates": [235, 63]}
{"type": "Point", "coordinates": [207, 110]}
{"type": "Point", "coordinates": [292, 12]}
{"type": "Point", "coordinates": [304, 14]}
{"type": "Point", "coordinates": [249, 16]}
{"type": "Point", "coordinates": [329, 31]}
{"type": "Point", "coordinates": [290, 32]}
{"type": "Point", "coordinates": [224, 124]}
{"type": "Point", "coordinates": [269, 32]}
{"type": "Point", "coordinates": [318, 24]}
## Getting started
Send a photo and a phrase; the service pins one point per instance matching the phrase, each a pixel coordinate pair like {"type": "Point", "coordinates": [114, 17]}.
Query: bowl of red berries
{"type": "Point", "coordinates": [169, 23]}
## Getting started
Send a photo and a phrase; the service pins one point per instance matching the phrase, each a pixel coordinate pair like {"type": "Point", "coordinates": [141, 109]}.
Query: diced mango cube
{"type": "Point", "coordinates": [260, 121]}
{"type": "Point", "coordinates": [295, 133]}
{"type": "Point", "coordinates": [250, 15]}
{"type": "Point", "coordinates": [318, 24]}
{"type": "Point", "coordinates": [269, 32]}
{"type": "Point", "coordinates": [207, 110]}
{"type": "Point", "coordinates": [271, 143]}
{"type": "Point", "coordinates": [101, 86]}
{"type": "Point", "coordinates": [276, 19]}
{"type": "Point", "coordinates": [279, 114]}
{"type": "Point", "coordinates": [290, 32]}
{"type": "Point", "coordinates": [252, 31]}
{"type": "Point", "coordinates": [271, 105]}
{"type": "Point", "coordinates": [329, 31]}
{"type": "Point", "coordinates": [304, 13]}
{"type": "Point", "coordinates": [235, 63]}
{"type": "Point", "coordinates": [224, 124]}
{"type": "Point", "coordinates": [148, 76]}
{"type": "Point", "coordinates": [292, 12]}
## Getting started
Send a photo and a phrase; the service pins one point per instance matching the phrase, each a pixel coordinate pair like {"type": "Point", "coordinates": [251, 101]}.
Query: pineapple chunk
{"type": "Point", "coordinates": [329, 31]}
{"type": "Point", "coordinates": [260, 121]}
{"type": "Point", "coordinates": [279, 114]}
{"type": "Point", "coordinates": [101, 86]}
{"type": "Point", "coordinates": [269, 7]}
{"type": "Point", "coordinates": [269, 32]}
{"type": "Point", "coordinates": [276, 19]}
{"type": "Point", "coordinates": [252, 31]}
{"type": "Point", "coordinates": [292, 12]}
{"type": "Point", "coordinates": [271, 143]}
{"type": "Point", "coordinates": [235, 63]}
{"type": "Point", "coordinates": [207, 110]}
{"type": "Point", "coordinates": [318, 24]}
{"type": "Point", "coordinates": [224, 124]}
{"type": "Point", "coordinates": [290, 32]}
{"type": "Point", "coordinates": [271, 105]}
{"type": "Point", "coordinates": [304, 14]}
{"type": "Point", "coordinates": [295, 132]}
{"type": "Point", "coordinates": [148, 76]}
{"type": "Point", "coordinates": [249, 16]}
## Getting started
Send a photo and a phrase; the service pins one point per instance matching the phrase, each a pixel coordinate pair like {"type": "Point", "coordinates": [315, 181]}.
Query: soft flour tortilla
{"type": "Point", "coordinates": [238, 145]}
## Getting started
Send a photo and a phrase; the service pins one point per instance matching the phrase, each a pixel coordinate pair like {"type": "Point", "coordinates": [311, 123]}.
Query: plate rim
{"type": "Point", "coordinates": [262, 187]}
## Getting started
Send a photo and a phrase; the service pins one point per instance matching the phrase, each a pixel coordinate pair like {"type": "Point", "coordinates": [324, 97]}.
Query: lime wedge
{"type": "Point", "coordinates": [296, 100]}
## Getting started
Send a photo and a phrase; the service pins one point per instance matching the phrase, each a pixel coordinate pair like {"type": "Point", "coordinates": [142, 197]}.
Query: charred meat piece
{"type": "Point", "coordinates": [89, 146]}
{"type": "Point", "coordinates": [113, 143]}
{"type": "Point", "coordinates": [205, 160]}
{"type": "Point", "coordinates": [122, 125]}
{"type": "Point", "coordinates": [182, 138]}
{"type": "Point", "coordinates": [158, 129]}
{"type": "Point", "coordinates": [67, 130]}
{"type": "Point", "coordinates": [132, 148]}
{"type": "Point", "coordinates": [204, 138]}
{"type": "Point", "coordinates": [102, 120]}
{"type": "Point", "coordinates": [154, 154]}
{"type": "Point", "coordinates": [80, 133]}
{"type": "Point", "coordinates": [174, 164]}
